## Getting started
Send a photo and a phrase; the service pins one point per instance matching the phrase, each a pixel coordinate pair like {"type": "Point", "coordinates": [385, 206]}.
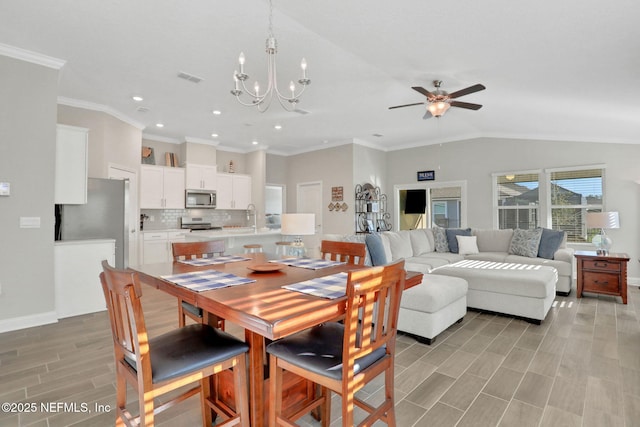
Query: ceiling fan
{"type": "Point", "coordinates": [439, 101]}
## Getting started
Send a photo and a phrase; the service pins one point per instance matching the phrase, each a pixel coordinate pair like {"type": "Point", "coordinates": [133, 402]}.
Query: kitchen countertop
{"type": "Point", "coordinates": [230, 233]}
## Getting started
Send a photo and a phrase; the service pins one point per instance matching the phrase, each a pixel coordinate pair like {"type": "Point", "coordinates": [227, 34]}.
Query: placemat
{"type": "Point", "coordinates": [212, 261]}
{"type": "Point", "coordinates": [310, 263]}
{"type": "Point", "coordinates": [333, 286]}
{"type": "Point", "coordinates": [207, 280]}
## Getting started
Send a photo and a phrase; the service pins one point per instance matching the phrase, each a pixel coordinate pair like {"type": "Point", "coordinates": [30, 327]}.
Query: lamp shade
{"type": "Point", "coordinates": [298, 224]}
{"type": "Point", "coordinates": [604, 220]}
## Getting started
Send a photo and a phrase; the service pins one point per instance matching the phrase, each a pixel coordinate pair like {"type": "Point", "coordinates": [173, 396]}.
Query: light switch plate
{"type": "Point", "coordinates": [5, 188]}
{"type": "Point", "coordinates": [29, 222]}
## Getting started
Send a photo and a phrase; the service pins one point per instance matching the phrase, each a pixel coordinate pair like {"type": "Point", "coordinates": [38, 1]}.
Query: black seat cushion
{"type": "Point", "coordinates": [319, 350]}
{"type": "Point", "coordinates": [189, 349]}
{"type": "Point", "coordinates": [196, 311]}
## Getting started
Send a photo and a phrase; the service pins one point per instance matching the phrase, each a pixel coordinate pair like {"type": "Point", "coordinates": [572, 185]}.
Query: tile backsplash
{"type": "Point", "coordinates": [164, 219]}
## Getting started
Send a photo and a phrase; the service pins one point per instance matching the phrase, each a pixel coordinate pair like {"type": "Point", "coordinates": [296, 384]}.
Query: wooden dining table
{"type": "Point", "coordinates": [263, 308]}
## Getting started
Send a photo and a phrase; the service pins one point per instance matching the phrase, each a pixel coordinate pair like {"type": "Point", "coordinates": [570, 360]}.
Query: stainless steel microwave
{"type": "Point", "coordinates": [200, 199]}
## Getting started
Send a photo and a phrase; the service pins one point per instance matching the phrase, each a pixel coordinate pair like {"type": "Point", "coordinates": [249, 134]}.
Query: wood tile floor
{"type": "Point", "coordinates": [581, 367]}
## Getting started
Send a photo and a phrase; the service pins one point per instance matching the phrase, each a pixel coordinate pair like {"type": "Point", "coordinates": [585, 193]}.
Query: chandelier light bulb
{"type": "Point", "coordinates": [256, 87]}
{"type": "Point", "coordinates": [241, 62]}
{"type": "Point", "coordinates": [292, 88]}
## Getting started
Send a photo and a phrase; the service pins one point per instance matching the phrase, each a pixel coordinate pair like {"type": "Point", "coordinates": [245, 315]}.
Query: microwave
{"type": "Point", "coordinates": [200, 199]}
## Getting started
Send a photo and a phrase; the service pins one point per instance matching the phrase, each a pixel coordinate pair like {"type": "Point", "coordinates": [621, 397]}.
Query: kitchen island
{"type": "Point", "coordinates": [236, 238]}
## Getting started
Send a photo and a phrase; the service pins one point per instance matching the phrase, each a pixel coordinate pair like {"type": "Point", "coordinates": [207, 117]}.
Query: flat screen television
{"type": "Point", "coordinates": [416, 202]}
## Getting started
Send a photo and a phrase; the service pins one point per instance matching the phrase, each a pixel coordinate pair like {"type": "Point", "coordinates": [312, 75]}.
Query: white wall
{"type": "Point", "coordinates": [27, 160]}
{"type": "Point", "coordinates": [475, 161]}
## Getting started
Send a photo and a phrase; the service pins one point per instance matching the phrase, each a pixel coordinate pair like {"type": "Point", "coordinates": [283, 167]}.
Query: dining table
{"type": "Point", "coordinates": [263, 308]}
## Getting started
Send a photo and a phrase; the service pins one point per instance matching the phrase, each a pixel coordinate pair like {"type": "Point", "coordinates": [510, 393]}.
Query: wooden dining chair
{"type": "Point", "coordinates": [343, 358]}
{"type": "Point", "coordinates": [349, 252]}
{"type": "Point", "coordinates": [189, 250]}
{"type": "Point", "coordinates": [181, 357]}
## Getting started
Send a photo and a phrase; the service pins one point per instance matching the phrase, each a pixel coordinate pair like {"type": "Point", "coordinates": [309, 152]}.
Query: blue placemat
{"type": "Point", "coordinates": [212, 261]}
{"type": "Point", "coordinates": [333, 286]}
{"type": "Point", "coordinates": [207, 280]}
{"type": "Point", "coordinates": [311, 263]}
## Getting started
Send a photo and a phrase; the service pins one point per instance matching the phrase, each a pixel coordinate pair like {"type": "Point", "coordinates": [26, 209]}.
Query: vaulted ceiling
{"type": "Point", "coordinates": [561, 70]}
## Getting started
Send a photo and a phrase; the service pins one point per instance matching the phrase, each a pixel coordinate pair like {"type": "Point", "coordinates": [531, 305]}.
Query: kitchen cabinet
{"type": "Point", "coordinates": [156, 245]}
{"type": "Point", "coordinates": [201, 177]}
{"type": "Point", "coordinates": [76, 267]}
{"type": "Point", "coordinates": [233, 191]}
{"type": "Point", "coordinates": [70, 186]}
{"type": "Point", "coordinates": [161, 187]}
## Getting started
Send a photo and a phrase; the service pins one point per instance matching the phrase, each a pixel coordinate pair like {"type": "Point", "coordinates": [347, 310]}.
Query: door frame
{"type": "Point", "coordinates": [428, 186]}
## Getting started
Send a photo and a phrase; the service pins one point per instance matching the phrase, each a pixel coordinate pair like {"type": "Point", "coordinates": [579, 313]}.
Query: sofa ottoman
{"type": "Point", "coordinates": [431, 307]}
{"type": "Point", "coordinates": [520, 290]}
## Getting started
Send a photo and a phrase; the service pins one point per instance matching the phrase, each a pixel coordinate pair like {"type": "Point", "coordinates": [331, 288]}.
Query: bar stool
{"type": "Point", "coordinates": [282, 248]}
{"type": "Point", "coordinates": [252, 248]}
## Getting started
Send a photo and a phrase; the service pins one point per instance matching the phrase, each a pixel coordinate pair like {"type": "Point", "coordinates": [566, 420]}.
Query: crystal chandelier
{"type": "Point", "coordinates": [262, 101]}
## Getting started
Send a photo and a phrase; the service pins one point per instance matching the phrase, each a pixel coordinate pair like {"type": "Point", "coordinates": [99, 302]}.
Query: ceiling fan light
{"type": "Point", "coordinates": [438, 108]}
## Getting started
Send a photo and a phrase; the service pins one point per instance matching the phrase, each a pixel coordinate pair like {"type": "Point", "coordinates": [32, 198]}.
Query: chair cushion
{"type": "Point", "coordinates": [420, 242]}
{"type": "Point", "coordinates": [189, 349]}
{"type": "Point", "coordinates": [400, 244]}
{"type": "Point", "coordinates": [319, 350]}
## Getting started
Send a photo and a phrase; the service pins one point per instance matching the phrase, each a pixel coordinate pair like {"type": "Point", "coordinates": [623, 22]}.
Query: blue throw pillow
{"type": "Point", "coordinates": [451, 237]}
{"type": "Point", "coordinates": [549, 243]}
{"type": "Point", "coordinates": [376, 249]}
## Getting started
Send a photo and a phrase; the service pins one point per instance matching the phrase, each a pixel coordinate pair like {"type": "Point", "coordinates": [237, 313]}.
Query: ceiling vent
{"type": "Point", "coordinates": [377, 135]}
{"type": "Point", "coordinates": [301, 112]}
{"type": "Point", "coordinates": [142, 109]}
{"type": "Point", "coordinates": [189, 77]}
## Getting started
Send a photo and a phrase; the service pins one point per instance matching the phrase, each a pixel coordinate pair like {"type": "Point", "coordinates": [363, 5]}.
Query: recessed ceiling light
{"type": "Point", "coordinates": [254, 142]}
{"type": "Point", "coordinates": [159, 125]}
{"type": "Point", "coordinates": [217, 112]}
{"type": "Point", "coordinates": [277, 127]}
{"type": "Point", "coordinates": [138, 98]}
{"type": "Point", "coordinates": [215, 135]}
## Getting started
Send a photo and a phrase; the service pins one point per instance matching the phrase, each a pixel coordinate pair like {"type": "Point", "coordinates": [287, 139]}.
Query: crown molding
{"type": "Point", "coordinates": [201, 141]}
{"type": "Point", "coordinates": [77, 103]}
{"type": "Point", "coordinates": [33, 57]}
{"type": "Point", "coordinates": [159, 138]}
{"type": "Point", "coordinates": [232, 149]}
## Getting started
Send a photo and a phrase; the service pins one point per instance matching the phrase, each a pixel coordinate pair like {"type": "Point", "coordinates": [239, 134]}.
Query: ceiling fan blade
{"type": "Point", "coordinates": [467, 91]}
{"type": "Point", "coordinates": [406, 105]}
{"type": "Point", "coordinates": [423, 91]}
{"type": "Point", "coordinates": [467, 105]}
{"type": "Point", "coordinates": [427, 115]}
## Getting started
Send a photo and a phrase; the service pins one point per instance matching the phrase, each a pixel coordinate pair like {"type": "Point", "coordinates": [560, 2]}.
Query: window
{"type": "Point", "coordinates": [572, 194]}
{"type": "Point", "coordinates": [518, 200]}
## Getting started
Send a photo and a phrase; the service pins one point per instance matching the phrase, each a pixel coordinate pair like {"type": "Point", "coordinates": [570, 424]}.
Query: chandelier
{"type": "Point", "coordinates": [262, 100]}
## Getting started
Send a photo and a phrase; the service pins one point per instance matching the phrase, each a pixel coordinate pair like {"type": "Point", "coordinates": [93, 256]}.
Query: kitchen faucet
{"type": "Point", "coordinates": [252, 208]}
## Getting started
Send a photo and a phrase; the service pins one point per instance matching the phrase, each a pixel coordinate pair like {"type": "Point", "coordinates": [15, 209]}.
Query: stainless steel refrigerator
{"type": "Point", "coordinates": [104, 216]}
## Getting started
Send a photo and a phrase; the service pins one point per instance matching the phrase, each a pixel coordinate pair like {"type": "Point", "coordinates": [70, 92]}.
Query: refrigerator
{"type": "Point", "coordinates": [104, 216]}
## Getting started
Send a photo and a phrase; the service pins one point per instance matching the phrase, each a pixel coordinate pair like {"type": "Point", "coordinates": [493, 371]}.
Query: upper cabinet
{"type": "Point", "coordinates": [233, 191]}
{"type": "Point", "coordinates": [71, 165]}
{"type": "Point", "coordinates": [201, 177]}
{"type": "Point", "coordinates": [161, 187]}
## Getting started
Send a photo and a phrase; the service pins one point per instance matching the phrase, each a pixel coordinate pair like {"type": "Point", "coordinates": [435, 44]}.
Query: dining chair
{"type": "Point", "coordinates": [189, 250]}
{"type": "Point", "coordinates": [349, 252]}
{"type": "Point", "coordinates": [179, 358]}
{"type": "Point", "coordinates": [343, 358]}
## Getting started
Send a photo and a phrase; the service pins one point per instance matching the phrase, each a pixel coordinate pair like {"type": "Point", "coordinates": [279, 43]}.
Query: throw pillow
{"type": "Point", "coordinates": [440, 237]}
{"type": "Point", "coordinates": [525, 242]}
{"type": "Point", "coordinates": [376, 249]}
{"type": "Point", "coordinates": [550, 242]}
{"type": "Point", "coordinates": [451, 237]}
{"type": "Point", "coordinates": [467, 245]}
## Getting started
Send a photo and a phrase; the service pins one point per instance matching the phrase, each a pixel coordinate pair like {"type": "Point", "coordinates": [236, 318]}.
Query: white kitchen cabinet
{"type": "Point", "coordinates": [77, 265]}
{"type": "Point", "coordinates": [201, 177]}
{"type": "Point", "coordinates": [157, 245]}
{"type": "Point", "coordinates": [233, 191]}
{"type": "Point", "coordinates": [70, 185]}
{"type": "Point", "coordinates": [161, 187]}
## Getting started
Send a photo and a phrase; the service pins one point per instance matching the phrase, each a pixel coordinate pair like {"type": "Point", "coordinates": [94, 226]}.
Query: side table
{"type": "Point", "coordinates": [602, 274]}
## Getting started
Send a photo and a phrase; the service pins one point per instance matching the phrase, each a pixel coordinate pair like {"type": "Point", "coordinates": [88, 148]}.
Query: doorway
{"type": "Point", "coordinates": [426, 205]}
{"type": "Point", "coordinates": [121, 172]}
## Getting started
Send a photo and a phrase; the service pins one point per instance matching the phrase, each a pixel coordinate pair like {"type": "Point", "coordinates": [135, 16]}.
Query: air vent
{"type": "Point", "coordinates": [377, 135]}
{"type": "Point", "coordinates": [299, 111]}
{"type": "Point", "coordinates": [142, 109]}
{"type": "Point", "coordinates": [189, 77]}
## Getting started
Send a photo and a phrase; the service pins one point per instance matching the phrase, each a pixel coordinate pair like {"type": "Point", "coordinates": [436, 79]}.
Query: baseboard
{"type": "Point", "coordinates": [16, 323]}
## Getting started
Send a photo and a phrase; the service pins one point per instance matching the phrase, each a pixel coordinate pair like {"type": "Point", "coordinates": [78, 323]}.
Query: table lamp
{"type": "Point", "coordinates": [602, 220]}
{"type": "Point", "coordinates": [298, 225]}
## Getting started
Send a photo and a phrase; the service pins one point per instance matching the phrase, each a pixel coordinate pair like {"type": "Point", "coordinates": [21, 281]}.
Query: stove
{"type": "Point", "coordinates": [196, 223]}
